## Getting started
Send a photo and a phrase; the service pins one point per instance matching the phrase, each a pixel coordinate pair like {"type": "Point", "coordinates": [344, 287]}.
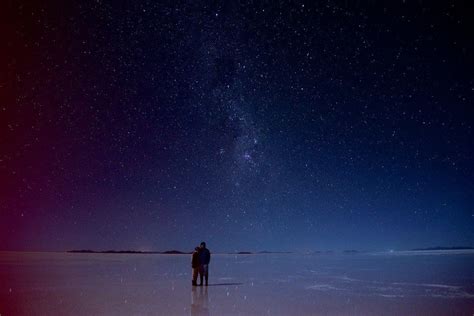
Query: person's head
{"type": "Point", "coordinates": [203, 245]}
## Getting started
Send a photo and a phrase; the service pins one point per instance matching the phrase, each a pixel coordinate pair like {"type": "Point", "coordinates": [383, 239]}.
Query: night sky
{"type": "Point", "coordinates": [250, 125]}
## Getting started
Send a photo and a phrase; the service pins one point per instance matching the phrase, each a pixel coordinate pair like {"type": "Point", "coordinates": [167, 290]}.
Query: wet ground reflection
{"type": "Point", "coordinates": [199, 301]}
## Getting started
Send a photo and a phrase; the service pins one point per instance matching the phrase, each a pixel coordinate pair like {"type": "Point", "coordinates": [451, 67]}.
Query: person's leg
{"type": "Point", "coordinates": [201, 272]}
{"type": "Point", "coordinates": [206, 273]}
{"type": "Point", "coordinates": [195, 275]}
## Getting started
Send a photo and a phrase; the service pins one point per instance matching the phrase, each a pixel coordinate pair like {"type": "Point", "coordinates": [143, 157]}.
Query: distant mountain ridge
{"type": "Point", "coordinates": [178, 252]}
{"type": "Point", "coordinates": [443, 248]}
{"type": "Point", "coordinates": [168, 252]}
{"type": "Point", "coordinates": [256, 253]}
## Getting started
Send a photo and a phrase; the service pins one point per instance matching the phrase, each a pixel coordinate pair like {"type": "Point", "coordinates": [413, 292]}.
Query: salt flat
{"type": "Point", "coordinates": [440, 283]}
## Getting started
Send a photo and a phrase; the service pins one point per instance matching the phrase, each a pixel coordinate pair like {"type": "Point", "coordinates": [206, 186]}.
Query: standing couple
{"type": "Point", "coordinates": [200, 263]}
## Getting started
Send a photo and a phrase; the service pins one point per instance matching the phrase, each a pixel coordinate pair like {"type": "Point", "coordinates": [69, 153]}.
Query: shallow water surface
{"type": "Point", "coordinates": [438, 283]}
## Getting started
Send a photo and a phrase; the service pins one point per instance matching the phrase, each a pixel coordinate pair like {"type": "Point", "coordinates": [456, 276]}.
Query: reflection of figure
{"type": "Point", "coordinates": [204, 259]}
{"type": "Point", "coordinates": [199, 302]}
{"type": "Point", "coordinates": [195, 264]}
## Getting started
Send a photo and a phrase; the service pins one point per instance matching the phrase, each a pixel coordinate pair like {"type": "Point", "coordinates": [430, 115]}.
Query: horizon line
{"type": "Point", "coordinates": [241, 251]}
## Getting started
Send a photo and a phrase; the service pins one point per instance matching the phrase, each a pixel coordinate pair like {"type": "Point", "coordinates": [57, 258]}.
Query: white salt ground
{"type": "Point", "coordinates": [261, 284]}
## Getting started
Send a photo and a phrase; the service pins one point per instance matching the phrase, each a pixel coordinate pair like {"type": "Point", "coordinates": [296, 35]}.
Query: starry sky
{"type": "Point", "coordinates": [260, 125]}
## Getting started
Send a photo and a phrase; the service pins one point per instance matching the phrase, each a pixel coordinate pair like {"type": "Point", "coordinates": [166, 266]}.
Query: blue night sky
{"type": "Point", "coordinates": [250, 125]}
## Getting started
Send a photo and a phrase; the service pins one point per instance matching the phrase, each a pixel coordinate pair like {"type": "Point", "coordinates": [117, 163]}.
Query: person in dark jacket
{"type": "Point", "coordinates": [196, 265]}
{"type": "Point", "coordinates": [204, 259]}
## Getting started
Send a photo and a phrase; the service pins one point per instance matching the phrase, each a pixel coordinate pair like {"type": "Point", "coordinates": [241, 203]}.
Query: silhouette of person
{"type": "Point", "coordinates": [204, 259]}
{"type": "Point", "coordinates": [196, 266]}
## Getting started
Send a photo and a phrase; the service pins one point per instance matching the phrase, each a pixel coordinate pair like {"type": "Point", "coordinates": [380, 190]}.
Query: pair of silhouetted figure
{"type": "Point", "coordinates": [200, 264]}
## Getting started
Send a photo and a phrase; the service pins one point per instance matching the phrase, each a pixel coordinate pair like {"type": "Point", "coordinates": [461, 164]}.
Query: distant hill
{"type": "Point", "coordinates": [168, 252]}
{"type": "Point", "coordinates": [256, 253]}
{"type": "Point", "coordinates": [175, 252]}
{"type": "Point", "coordinates": [81, 251]}
{"type": "Point", "coordinates": [351, 251]}
{"type": "Point", "coordinates": [442, 248]}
